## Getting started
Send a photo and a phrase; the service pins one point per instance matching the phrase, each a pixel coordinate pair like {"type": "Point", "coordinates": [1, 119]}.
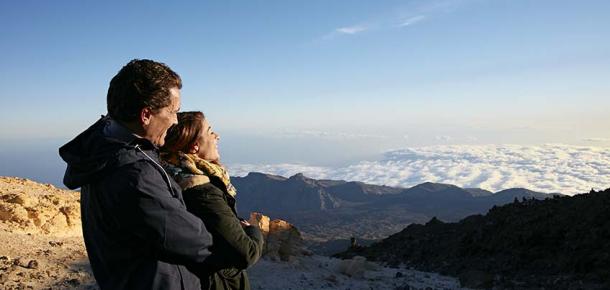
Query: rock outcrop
{"type": "Point", "coordinates": [283, 241]}
{"type": "Point", "coordinates": [30, 207]}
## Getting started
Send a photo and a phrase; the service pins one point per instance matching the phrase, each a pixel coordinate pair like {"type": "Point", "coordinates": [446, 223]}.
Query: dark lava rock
{"type": "Point", "coordinates": [476, 279]}
{"type": "Point", "coordinates": [555, 243]}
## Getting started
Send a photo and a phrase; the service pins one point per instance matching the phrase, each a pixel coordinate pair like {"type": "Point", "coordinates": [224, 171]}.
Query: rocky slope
{"type": "Point", "coordinates": [557, 243]}
{"type": "Point", "coordinates": [41, 243]}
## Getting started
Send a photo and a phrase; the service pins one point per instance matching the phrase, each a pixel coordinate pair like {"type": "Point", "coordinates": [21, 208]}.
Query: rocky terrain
{"type": "Point", "coordinates": [557, 243]}
{"type": "Point", "coordinates": [41, 243]}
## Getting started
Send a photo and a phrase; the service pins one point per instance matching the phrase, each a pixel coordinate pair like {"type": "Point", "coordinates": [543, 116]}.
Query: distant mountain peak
{"type": "Point", "coordinates": [298, 176]}
{"type": "Point", "coordinates": [265, 176]}
{"type": "Point", "coordinates": [431, 186]}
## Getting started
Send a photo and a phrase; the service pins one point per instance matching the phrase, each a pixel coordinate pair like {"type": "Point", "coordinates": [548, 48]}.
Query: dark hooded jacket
{"type": "Point", "coordinates": [136, 228]}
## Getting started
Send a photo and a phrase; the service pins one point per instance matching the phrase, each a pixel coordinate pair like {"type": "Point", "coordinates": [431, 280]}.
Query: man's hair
{"type": "Point", "coordinates": [139, 84]}
{"type": "Point", "coordinates": [182, 135]}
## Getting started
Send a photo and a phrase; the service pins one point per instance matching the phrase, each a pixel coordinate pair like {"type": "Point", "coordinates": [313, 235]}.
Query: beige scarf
{"type": "Point", "coordinates": [193, 164]}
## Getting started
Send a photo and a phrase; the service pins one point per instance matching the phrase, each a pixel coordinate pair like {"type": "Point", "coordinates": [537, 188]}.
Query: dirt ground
{"type": "Point", "coordinates": [41, 244]}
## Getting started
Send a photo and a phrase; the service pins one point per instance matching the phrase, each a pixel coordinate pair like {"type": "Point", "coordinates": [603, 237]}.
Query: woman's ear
{"type": "Point", "coordinates": [194, 148]}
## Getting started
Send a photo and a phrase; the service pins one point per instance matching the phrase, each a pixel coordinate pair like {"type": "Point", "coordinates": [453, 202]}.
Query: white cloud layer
{"type": "Point", "coordinates": [547, 168]}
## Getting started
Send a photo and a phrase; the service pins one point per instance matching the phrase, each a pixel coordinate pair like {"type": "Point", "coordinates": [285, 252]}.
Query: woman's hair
{"type": "Point", "coordinates": [180, 136]}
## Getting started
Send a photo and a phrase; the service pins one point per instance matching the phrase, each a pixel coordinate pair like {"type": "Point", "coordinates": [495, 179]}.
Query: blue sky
{"type": "Point", "coordinates": [323, 82]}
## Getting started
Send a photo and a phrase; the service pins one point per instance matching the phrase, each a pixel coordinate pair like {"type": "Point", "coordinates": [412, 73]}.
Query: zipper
{"type": "Point", "coordinates": [169, 183]}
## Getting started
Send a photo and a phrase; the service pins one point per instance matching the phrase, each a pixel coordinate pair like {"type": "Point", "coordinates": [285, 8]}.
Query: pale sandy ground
{"type": "Point", "coordinates": [60, 263]}
{"type": "Point", "coordinates": [41, 247]}
{"type": "Point", "coordinates": [41, 244]}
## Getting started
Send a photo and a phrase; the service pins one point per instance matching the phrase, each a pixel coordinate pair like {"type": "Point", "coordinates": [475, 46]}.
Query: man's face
{"type": "Point", "coordinates": [156, 126]}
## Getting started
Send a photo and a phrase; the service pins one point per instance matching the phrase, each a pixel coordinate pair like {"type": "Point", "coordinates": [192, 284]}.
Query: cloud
{"type": "Point", "coordinates": [351, 29]}
{"type": "Point", "coordinates": [412, 20]}
{"type": "Point", "coordinates": [348, 30]}
{"type": "Point", "coordinates": [409, 17]}
{"type": "Point", "coordinates": [547, 168]}
{"type": "Point", "coordinates": [597, 140]}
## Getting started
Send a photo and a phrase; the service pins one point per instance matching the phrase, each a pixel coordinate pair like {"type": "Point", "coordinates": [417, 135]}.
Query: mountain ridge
{"type": "Point", "coordinates": [325, 194]}
{"type": "Point", "coordinates": [330, 212]}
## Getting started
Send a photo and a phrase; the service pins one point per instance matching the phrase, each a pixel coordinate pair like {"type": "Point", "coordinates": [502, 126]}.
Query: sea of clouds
{"type": "Point", "coordinates": [548, 168]}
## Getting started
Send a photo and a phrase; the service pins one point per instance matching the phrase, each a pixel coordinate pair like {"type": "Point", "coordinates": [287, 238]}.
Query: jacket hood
{"type": "Point", "coordinates": [92, 153]}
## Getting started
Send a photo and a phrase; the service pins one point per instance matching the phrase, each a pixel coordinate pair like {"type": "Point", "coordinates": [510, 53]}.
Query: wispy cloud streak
{"type": "Point", "coordinates": [351, 29]}
{"type": "Point", "coordinates": [414, 15]}
{"type": "Point", "coordinates": [412, 20]}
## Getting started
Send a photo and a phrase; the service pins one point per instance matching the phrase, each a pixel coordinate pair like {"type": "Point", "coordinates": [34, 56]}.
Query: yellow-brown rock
{"type": "Point", "coordinates": [260, 220]}
{"type": "Point", "coordinates": [30, 207]}
{"type": "Point", "coordinates": [41, 243]}
{"type": "Point", "coordinates": [283, 241]}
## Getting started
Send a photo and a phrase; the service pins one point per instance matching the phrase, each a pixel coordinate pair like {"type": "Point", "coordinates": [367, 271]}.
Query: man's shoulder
{"type": "Point", "coordinates": [133, 168]}
{"type": "Point", "coordinates": [139, 171]}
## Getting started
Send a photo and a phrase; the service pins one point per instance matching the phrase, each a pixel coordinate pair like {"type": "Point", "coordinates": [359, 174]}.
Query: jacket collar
{"type": "Point", "coordinates": [115, 130]}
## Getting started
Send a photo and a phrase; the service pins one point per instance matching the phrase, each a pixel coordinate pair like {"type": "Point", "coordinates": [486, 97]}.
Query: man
{"type": "Point", "coordinates": [137, 231]}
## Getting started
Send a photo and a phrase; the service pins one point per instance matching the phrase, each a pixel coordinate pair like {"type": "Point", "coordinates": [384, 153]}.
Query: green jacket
{"type": "Point", "coordinates": [235, 248]}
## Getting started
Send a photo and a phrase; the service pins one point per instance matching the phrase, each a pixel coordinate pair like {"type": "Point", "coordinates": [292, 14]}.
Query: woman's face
{"type": "Point", "coordinates": [208, 143]}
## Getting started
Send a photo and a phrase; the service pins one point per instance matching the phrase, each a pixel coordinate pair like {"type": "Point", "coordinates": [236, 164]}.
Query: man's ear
{"type": "Point", "coordinates": [145, 116]}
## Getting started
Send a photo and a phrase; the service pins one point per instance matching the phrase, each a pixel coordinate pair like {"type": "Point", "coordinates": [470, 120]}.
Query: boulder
{"type": "Point", "coordinates": [260, 220]}
{"type": "Point", "coordinates": [283, 241]}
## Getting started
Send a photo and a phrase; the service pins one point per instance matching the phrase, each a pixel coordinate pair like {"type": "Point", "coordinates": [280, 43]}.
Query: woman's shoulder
{"type": "Point", "coordinates": [207, 197]}
{"type": "Point", "coordinates": [202, 188]}
{"type": "Point", "coordinates": [192, 180]}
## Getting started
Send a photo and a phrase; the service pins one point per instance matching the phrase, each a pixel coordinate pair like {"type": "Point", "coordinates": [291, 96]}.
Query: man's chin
{"type": "Point", "coordinates": [158, 143]}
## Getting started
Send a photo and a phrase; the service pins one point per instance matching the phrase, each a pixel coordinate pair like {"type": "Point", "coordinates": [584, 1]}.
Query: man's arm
{"type": "Point", "coordinates": [246, 244]}
{"type": "Point", "coordinates": [156, 218]}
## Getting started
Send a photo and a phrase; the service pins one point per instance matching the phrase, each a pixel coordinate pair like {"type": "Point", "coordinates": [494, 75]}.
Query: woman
{"type": "Point", "coordinates": [191, 155]}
